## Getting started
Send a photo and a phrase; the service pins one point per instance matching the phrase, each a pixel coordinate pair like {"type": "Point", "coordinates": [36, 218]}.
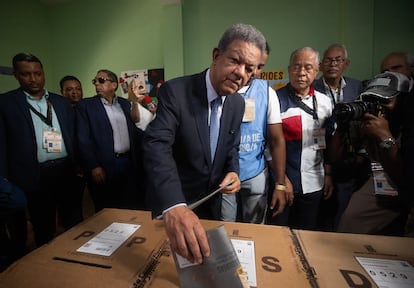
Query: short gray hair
{"type": "Point", "coordinates": [304, 49]}
{"type": "Point", "coordinates": [337, 45]}
{"type": "Point", "coordinates": [244, 32]}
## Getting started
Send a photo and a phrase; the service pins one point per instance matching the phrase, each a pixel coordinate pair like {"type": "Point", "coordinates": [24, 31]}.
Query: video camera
{"type": "Point", "coordinates": [379, 91]}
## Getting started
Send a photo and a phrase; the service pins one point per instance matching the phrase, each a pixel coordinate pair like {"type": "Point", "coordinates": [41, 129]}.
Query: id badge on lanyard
{"type": "Point", "coordinates": [318, 135]}
{"type": "Point", "coordinates": [249, 110]}
{"type": "Point", "coordinates": [382, 183]}
{"type": "Point", "coordinates": [52, 141]}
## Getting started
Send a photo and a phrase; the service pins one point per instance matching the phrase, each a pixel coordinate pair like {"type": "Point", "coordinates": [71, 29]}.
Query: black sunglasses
{"type": "Point", "coordinates": [101, 80]}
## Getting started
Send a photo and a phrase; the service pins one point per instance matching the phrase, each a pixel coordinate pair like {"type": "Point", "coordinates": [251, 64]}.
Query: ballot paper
{"type": "Point", "coordinates": [107, 241]}
{"type": "Point", "coordinates": [245, 253]}
{"type": "Point", "coordinates": [194, 205]}
{"type": "Point", "coordinates": [222, 269]}
{"type": "Point", "coordinates": [388, 273]}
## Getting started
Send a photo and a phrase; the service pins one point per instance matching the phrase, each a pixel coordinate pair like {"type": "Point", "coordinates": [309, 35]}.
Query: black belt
{"type": "Point", "coordinates": [54, 163]}
{"type": "Point", "coordinates": [121, 155]}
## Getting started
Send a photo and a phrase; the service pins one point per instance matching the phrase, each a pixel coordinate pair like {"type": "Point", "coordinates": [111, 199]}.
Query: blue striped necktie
{"type": "Point", "coordinates": [214, 125]}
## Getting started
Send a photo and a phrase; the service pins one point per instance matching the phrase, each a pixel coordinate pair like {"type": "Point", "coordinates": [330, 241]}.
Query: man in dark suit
{"type": "Point", "coordinates": [109, 144]}
{"type": "Point", "coordinates": [12, 213]}
{"type": "Point", "coordinates": [40, 148]}
{"type": "Point", "coordinates": [332, 82]}
{"type": "Point", "coordinates": [177, 153]}
{"type": "Point", "coordinates": [340, 89]}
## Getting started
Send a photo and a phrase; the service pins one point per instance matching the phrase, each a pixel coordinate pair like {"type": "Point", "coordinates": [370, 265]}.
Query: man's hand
{"type": "Point", "coordinates": [98, 175]}
{"type": "Point", "coordinates": [327, 187]}
{"type": "Point", "coordinates": [376, 126]}
{"type": "Point", "coordinates": [234, 186]}
{"type": "Point", "coordinates": [290, 195]}
{"type": "Point", "coordinates": [187, 236]}
{"type": "Point", "coordinates": [282, 197]}
{"type": "Point", "coordinates": [278, 202]}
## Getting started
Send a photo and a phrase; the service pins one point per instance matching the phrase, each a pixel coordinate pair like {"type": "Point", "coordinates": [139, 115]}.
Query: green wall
{"type": "Point", "coordinates": [81, 36]}
{"type": "Point", "coordinates": [393, 28]}
{"type": "Point", "coordinates": [24, 28]}
{"type": "Point", "coordinates": [287, 25]}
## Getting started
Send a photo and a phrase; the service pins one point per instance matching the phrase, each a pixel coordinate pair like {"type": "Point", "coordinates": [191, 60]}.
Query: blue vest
{"type": "Point", "coordinates": [253, 134]}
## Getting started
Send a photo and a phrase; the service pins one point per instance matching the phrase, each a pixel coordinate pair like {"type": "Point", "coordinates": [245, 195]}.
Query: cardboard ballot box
{"type": "Point", "coordinates": [283, 257]}
{"type": "Point", "coordinates": [277, 262]}
{"type": "Point", "coordinates": [330, 259]}
{"type": "Point", "coordinates": [59, 264]}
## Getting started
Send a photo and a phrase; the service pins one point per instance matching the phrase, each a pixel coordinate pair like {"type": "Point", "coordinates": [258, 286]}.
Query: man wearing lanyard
{"type": "Point", "coordinates": [332, 82]}
{"type": "Point", "coordinates": [339, 89]}
{"type": "Point", "coordinates": [305, 117]}
{"type": "Point", "coordinates": [40, 149]}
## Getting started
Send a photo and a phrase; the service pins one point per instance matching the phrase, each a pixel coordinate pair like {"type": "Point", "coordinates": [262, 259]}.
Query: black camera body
{"type": "Point", "coordinates": [347, 112]}
{"type": "Point", "coordinates": [380, 90]}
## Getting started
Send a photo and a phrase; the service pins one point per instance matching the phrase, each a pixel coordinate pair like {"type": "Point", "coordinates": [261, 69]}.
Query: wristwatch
{"type": "Point", "coordinates": [387, 143]}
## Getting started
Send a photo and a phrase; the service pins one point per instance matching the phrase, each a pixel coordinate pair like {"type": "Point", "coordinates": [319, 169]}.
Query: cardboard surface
{"type": "Point", "coordinates": [331, 256]}
{"type": "Point", "coordinates": [41, 268]}
{"type": "Point", "coordinates": [277, 261]}
{"type": "Point", "coordinates": [284, 257]}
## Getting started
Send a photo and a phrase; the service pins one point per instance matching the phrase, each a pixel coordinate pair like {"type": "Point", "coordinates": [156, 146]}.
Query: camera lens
{"type": "Point", "coordinates": [346, 112]}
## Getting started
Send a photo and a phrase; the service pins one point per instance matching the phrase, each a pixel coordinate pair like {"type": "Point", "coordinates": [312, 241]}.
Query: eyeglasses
{"type": "Point", "coordinates": [101, 80]}
{"type": "Point", "coordinates": [328, 61]}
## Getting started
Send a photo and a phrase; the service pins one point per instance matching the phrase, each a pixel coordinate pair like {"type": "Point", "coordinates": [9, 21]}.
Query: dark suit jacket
{"type": "Point", "coordinates": [352, 90]}
{"type": "Point", "coordinates": [406, 105]}
{"type": "Point", "coordinates": [95, 135]}
{"type": "Point", "coordinates": [176, 145]}
{"type": "Point", "coordinates": [3, 152]}
{"type": "Point", "coordinates": [22, 163]}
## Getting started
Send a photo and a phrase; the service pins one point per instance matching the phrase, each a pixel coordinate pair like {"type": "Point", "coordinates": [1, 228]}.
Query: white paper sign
{"type": "Point", "coordinates": [107, 241]}
{"type": "Point", "coordinates": [388, 273]}
{"type": "Point", "coordinates": [247, 258]}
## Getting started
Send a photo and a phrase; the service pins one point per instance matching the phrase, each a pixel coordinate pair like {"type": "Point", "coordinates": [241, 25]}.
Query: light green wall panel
{"type": "Point", "coordinates": [287, 25]}
{"type": "Point", "coordinates": [24, 28]}
{"type": "Point", "coordinates": [393, 29]}
{"type": "Point", "coordinates": [116, 35]}
{"type": "Point", "coordinates": [172, 39]}
{"type": "Point", "coordinates": [81, 36]}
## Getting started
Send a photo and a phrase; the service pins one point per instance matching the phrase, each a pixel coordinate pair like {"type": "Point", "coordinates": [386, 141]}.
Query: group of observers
{"type": "Point", "coordinates": [294, 157]}
{"type": "Point", "coordinates": [52, 147]}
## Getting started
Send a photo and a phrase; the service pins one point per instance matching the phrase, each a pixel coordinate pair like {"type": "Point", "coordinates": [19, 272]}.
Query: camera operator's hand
{"type": "Point", "coordinates": [375, 126]}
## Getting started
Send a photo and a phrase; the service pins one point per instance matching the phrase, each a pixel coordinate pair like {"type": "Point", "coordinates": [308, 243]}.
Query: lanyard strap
{"type": "Point", "coordinates": [338, 94]}
{"type": "Point", "coordinates": [47, 120]}
{"type": "Point", "coordinates": [303, 106]}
